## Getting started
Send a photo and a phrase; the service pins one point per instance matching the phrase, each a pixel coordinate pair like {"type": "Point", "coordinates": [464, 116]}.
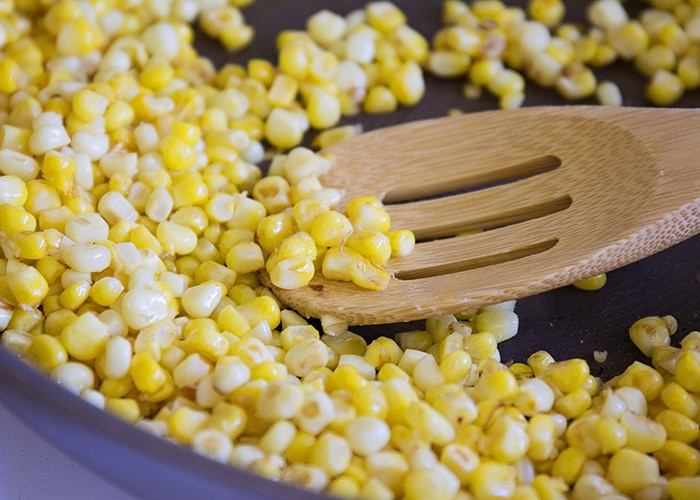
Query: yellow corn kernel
{"type": "Point", "coordinates": [643, 433]}
{"type": "Point", "coordinates": [678, 426]}
{"type": "Point", "coordinates": [26, 283]}
{"type": "Point", "coordinates": [610, 434]}
{"type": "Point", "coordinates": [402, 242]}
{"type": "Point", "coordinates": [664, 88]}
{"type": "Point", "coordinates": [273, 229]}
{"type": "Point", "coordinates": [407, 83]}
{"type": "Point", "coordinates": [542, 433]}
{"type": "Point", "coordinates": [330, 229]}
{"type": "Point", "coordinates": [429, 423]}
{"type": "Point", "coordinates": [89, 105]}
{"type": "Point", "coordinates": [568, 375]}
{"type": "Point", "coordinates": [116, 388]}
{"type": "Point", "coordinates": [207, 342]}
{"type": "Point", "coordinates": [366, 274]}
{"type": "Point", "coordinates": [648, 333]}
{"type": "Point", "coordinates": [14, 219]}
{"type": "Point", "coordinates": [147, 374]}
{"type": "Point", "coordinates": [29, 245]}
{"type": "Point", "coordinates": [84, 337]}
{"type": "Point", "coordinates": [677, 458]}
{"type": "Point", "coordinates": [373, 245]}
{"type": "Point", "coordinates": [47, 352]}
{"type": "Point", "coordinates": [456, 367]}
{"type": "Point", "coordinates": [481, 345]}
{"type": "Point", "coordinates": [626, 460]}
{"type": "Point", "coordinates": [574, 403]}
{"type": "Point", "coordinates": [490, 479]}
{"type": "Point", "coordinates": [260, 309]}
{"type": "Point", "coordinates": [684, 488]}
{"type": "Point", "coordinates": [594, 282]}
{"type": "Point", "coordinates": [185, 422]}
{"type": "Point", "coordinates": [688, 370]}
{"type": "Point", "coordinates": [379, 100]}
{"type": "Point", "coordinates": [125, 408]}
{"type": "Point", "coordinates": [75, 295]}
{"type": "Point", "coordinates": [676, 398]}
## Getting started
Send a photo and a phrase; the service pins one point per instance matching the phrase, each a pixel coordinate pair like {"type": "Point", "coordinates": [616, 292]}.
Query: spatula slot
{"type": "Point", "coordinates": [445, 268]}
{"type": "Point", "coordinates": [496, 217]}
{"type": "Point", "coordinates": [457, 179]}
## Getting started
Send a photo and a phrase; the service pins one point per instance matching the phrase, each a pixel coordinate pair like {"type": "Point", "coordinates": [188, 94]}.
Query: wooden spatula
{"type": "Point", "coordinates": [563, 193]}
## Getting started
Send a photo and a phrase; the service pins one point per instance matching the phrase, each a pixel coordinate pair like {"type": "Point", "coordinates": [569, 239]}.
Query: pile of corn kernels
{"type": "Point", "coordinates": [134, 219]}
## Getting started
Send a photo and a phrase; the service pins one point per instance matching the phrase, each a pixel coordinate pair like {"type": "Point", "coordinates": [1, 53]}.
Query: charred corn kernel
{"type": "Point", "coordinates": [47, 352]}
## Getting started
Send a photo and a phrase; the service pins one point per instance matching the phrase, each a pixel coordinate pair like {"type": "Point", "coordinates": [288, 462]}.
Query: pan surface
{"type": "Point", "coordinates": [567, 322]}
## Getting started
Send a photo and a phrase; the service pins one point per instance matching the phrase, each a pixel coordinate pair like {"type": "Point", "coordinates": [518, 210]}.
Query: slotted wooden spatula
{"type": "Point", "coordinates": [563, 193]}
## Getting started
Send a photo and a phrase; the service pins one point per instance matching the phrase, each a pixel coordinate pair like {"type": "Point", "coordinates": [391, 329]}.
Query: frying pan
{"type": "Point", "coordinates": [567, 322]}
